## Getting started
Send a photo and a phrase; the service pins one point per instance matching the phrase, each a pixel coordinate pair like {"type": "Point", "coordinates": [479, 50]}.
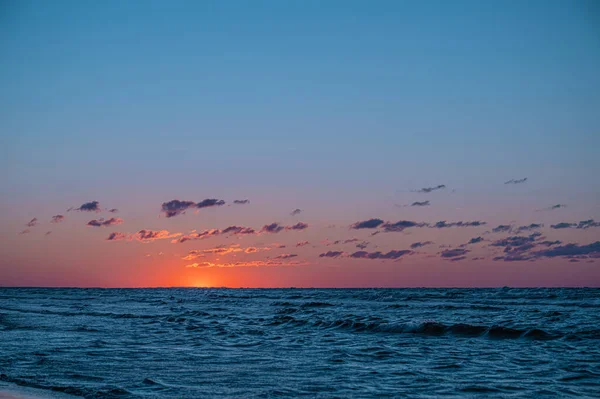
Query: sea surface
{"type": "Point", "coordinates": [313, 343]}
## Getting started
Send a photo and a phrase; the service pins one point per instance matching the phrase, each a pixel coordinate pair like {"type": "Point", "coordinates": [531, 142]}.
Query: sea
{"type": "Point", "coordinates": [302, 343]}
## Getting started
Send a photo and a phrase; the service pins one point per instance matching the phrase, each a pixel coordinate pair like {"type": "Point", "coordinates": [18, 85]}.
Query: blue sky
{"type": "Point", "coordinates": [343, 105]}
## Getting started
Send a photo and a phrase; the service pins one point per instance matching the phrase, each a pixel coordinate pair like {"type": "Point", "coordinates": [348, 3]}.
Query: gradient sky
{"type": "Point", "coordinates": [342, 109]}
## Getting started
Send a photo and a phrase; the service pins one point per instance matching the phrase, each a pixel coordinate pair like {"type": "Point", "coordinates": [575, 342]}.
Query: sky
{"type": "Point", "coordinates": [299, 144]}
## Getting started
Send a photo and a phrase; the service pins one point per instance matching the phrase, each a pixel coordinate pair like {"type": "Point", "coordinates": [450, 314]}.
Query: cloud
{"type": "Point", "coordinates": [503, 228]}
{"type": "Point", "coordinates": [331, 254]}
{"type": "Point", "coordinates": [257, 263]}
{"type": "Point", "coordinates": [48, 233]}
{"type": "Point", "coordinates": [458, 258]}
{"type": "Point", "coordinates": [362, 245]}
{"type": "Point", "coordinates": [57, 218]}
{"type": "Point", "coordinates": [209, 202]}
{"type": "Point", "coordinates": [516, 181]}
{"type": "Point", "coordinates": [105, 223]}
{"type": "Point", "coordinates": [26, 231]}
{"type": "Point", "coordinates": [286, 256]}
{"type": "Point", "coordinates": [33, 222]}
{"type": "Point", "coordinates": [443, 224]}
{"type": "Point", "coordinates": [113, 210]}
{"type": "Point", "coordinates": [571, 250]}
{"type": "Point", "coordinates": [241, 202]}
{"type": "Point", "coordinates": [350, 240]}
{"type": "Point", "coordinates": [118, 236]}
{"type": "Point", "coordinates": [193, 254]}
{"type": "Point", "coordinates": [302, 243]}
{"type": "Point", "coordinates": [420, 203]}
{"type": "Point", "coordinates": [400, 226]}
{"type": "Point", "coordinates": [197, 236]}
{"type": "Point", "coordinates": [296, 212]}
{"type": "Point", "coordinates": [272, 228]}
{"type": "Point", "coordinates": [515, 241]}
{"type": "Point", "coordinates": [532, 226]}
{"type": "Point", "coordinates": [475, 240]}
{"type": "Point", "coordinates": [147, 236]}
{"type": "Point", "coordinates": [394, 254]}
{"type": "Point", "coordinates": [452, 253]}
{"type": "Point", "coordinates": [93, 206]}
{"type": "Point", "coordinates": [420, 244]}
{"type": "Point", "coordinates": [584, 224]}
{"type": "Point", "coordinates": [430, 189]}
{"type": "Point", "coordinates": [238, 230]}
{"type": "Point", "coordinates": [177, 207]}
{"type": "Point", "coordinates": [297, 226]}
{"type": "Point", "coordinates": [367, 224]}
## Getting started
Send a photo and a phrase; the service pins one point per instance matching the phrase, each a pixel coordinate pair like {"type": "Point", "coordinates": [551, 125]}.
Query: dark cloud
{"type": "Point", "coordinates": [532, 226]}
{"type": "Point", "coordinates": [57, 218]}
{"type": "Point", "coordinates": [209, 202]}
{"type": "Point", "coordinates": [93, 206]}
{"type": "Point", "coordinates": [302, 243]}
{"type": "Point", "coordinates": [113, 210]}
{"type": "Point", "coordinates": [32, 222]}
{"type": "Point", "coordinates": [197, 236]}
{"type": "Point", "coordinates": [241, 202]}
{"type": "Point", "coordinates": [584, 224]}
{"type": "Point", "coordinates": [475, 240]}
{"type": "Point", "coordinates": [48, 233]}
{"type": "Point", "coordinates": [420, 203]}
{"type": "Point", "coordinates": [297, 226]}
{"type": "Point", "coordinates": [443, 224]}
{"type": "Point", "coordinates": [117, 236]}
{"type": "Point", "coordinates": [515, 241]}
{"type": "Point", "coordinates": [362, 245]}
{"type": "Point", "coordinates": [394, 254]}
{"type": "Point", "coordinates": [571, 250]}
{"type": "Point", "coordinates": [296, 212]}
{"type": "Point", "coordinates": [286, 256]}
{"type": "Point", "coordinates": [238, 230]}
{"type": "Point", "coordinates": [331, 254]}
{"type": "Point", "coordinates": [503, 228]}
{"type": "Point", "coordinates": [400, 226]}
{"type": "Point", "coordinates": [430, 189]}
{"type": "Point", "coordinates": [549, 243]}
{"type": "Point", "coordinates": [452, 253]}
{"type": "Point", "coordinates": [458, 258]}
{"type": "Point", "coordinates": [176, 207]}
{"type": "Point", "coordinates": [367, 224]}
{"type": "Point", "coordinates": [516, 181]}
{"type": "Point", "coordinates": [153, 235]}
{"type": "Point", "coordinates": [272, 228]}
{"type": "Point", "coordinates": [557, 206]}
{"type": "Point", "coordinates": [420, 244]}
{"type": "Point", "coordinates": [105, 223]}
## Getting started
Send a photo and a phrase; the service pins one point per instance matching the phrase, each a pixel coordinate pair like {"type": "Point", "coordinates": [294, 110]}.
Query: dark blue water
{"type": "Point", "coordinates": [363, 343]}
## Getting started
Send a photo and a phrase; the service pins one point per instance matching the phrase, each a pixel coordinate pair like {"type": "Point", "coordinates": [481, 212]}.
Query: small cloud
{"type": "Point", "coordinates": [147, 236]}
{"type": "Point", "coordinates": [475, 240]}
{"type": "Point", "coordinates": [296, 212]}
{"type": "Point", "coordinates": [503, 228]}
{"type": "Point", "coordinates": [238, 230]}
{"type": "Point", "coordinates": [33, 222]}
{"type": "Point", "coordinates": [113, 210]}
{"type": "Point", "coordinates": [285, 256]}
{"type": "Point", "coordinates": [302, 243]}
{"type": "Point", "coordinates": [444, 224]}
{"type": "Point", "coordinates": [362, 245]}
{"type": "Point", "coordinates": [48, 233]}
{"type": "Point", "coordinates": [420, 203]}
{"type": "Point", "coordinates": [458, 258]}
{"type": "Point", "coordinates": [331, 254]}
{"type": "Point", "coordinates": [117, 236]}
{"type": "Point", "coordinates": [93, 206]}
{"type": "Point", "coordinates": [584, 224]}
{"type": "Point", "coordinates": [209, 202]}
{"type": "Point", "coordinates": [176, 207]}
{"type": "Point", "coordinates": [453, 253]}
{"type": "Point", "coordinates": [394, 254]}
{"type": "Point", "coordinates": [26, 231]}
{"type": "Point", "coordinates": [532, 226]}
{"type": "Point", "coordinates": [197, 236]}
{"type": "Point", "coordinates": [516, 181]}
{"type": "Point", "coordinates": [105, 223]}
{"type": "Point", "coordinates": [419, 244]}
{"type": "Point", "coordinates": [297, 226]}
{"type": "Point", "coordinates": [241, 202]}
{"type": "Point", "coordinates": [57, 218]}
{"type": "Point", "coordinates": [430, 189]}
{"type": "Point", "coordinates": [367, 224]}
{"type": "Point", "coordinates": [272, 228]}
{"type": "Point", "coordinates": [400, 226]}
